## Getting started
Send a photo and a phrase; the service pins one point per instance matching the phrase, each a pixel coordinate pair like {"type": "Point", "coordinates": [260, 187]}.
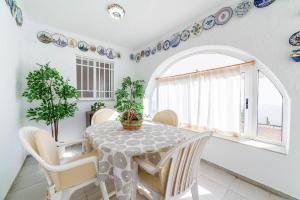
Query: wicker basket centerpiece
{"type": "Point", "coordinates": [131, 121]}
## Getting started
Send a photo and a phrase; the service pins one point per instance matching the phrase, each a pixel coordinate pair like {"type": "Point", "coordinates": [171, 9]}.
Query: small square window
{"type": "Point", "coordinates": [93, 82]}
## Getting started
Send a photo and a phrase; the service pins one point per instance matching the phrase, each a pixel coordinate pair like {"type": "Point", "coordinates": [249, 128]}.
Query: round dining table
{"type": "Point", "coordinates": [117, 147]}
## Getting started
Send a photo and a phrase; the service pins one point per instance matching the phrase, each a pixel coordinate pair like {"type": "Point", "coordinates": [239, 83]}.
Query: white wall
{"type": "Point", "coordinates": [63, 59]}
{"type": "Point", "coordinates": [263, 33]}
{"type": "Point", "coordinates": [11, 153]}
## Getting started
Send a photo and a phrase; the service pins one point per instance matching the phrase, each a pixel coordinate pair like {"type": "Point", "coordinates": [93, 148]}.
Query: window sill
{"type": "Point", "coordinates": [254, 143]}
{"type": "Point", "coordinates": [95, 99]}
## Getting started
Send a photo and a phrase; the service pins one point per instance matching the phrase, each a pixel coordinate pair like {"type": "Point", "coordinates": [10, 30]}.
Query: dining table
{"type": "Point", "coordinates": [117, 147]}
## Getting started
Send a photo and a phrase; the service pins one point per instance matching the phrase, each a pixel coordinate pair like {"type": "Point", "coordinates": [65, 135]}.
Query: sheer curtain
{"type": "Point", "coordinates": [209, 100]}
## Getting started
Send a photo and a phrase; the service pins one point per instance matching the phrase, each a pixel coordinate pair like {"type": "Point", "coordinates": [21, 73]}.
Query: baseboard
{"type": "Point", "coordinates": [16, 174]}
{"type": "Point", "coordinates": [248, 180]}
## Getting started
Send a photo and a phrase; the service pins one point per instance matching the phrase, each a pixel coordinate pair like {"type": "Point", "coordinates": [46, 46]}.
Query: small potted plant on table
{"type": "Point", "coordinates": [97, 106]}
{"type": "Point", "coordinates": [129, 102]}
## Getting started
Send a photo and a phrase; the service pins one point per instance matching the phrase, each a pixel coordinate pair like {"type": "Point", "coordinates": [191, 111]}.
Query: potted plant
{"type": "Point", "coordinates": [129, 102]}
{"type": "Point", "coordinates": [54, 97]}
{"type": "Point", "coordinates": [97, 106]}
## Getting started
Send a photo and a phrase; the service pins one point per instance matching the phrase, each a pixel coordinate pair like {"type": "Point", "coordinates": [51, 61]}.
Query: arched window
{"type": "Point", "coordinates": [241, 101]}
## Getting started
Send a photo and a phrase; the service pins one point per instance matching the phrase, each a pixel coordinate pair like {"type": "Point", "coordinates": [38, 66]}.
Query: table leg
{"type": "Point", "coordinates": [134, 180]}
{"type": "Point", "coordinates": [103, 190]}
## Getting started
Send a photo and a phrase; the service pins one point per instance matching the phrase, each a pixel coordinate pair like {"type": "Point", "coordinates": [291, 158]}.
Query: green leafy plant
{"type": "Point", "coordinates": [97, 106]}
{"type": "Point", "coordinates": [53, 96]}
{"type": "Point", "coordinates": [129, 100]}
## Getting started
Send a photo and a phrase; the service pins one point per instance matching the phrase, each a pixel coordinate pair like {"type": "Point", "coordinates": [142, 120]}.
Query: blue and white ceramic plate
{"type": "Point", "coordinates": [196, 29]}
{"type": "Point", "coordinates": [13, 9]}
{"type": "Point", "coordinates": [137, 57]}
{"type": "Point", "coordinates": [19, 16]}
{"type": "Point", "coordinates": [262, 3]}
{"type": "Point", "coordinates": [131, 56]}
{"type": "Point", "coordinates": [166, 45]}
{"type": "Point", "coordinates": [9, 2]}
{"type": "Point", "coordinates": [295, 55]}
{"type": "Point", "coordinates": [223, 15]}
{"type": "Point", "coordinates": [242, 8]}
{"type": "Point", "coordinates": [83, 46]}
{"type": "Point", "coordinates": [147, 52]}
{"type": "Point", "coordinates": [175, 40]}
{"type": "Point", "coordinates": [101, 51]}
{"type": "Point", "coordinates": [159, 46]}
{"type": "Point", "coordinates": [209, 22]}
{"type": "Point", "coordinates": [44, 37]}
{"type": "Point", "coordinates": [110, 53]}
{"type": "Point", "coordinates": [295, 39]}
{"type": "Point", "coordinates": [153, 51]}
{"type": "Point", "coordinates": [59, 40]}
{"type": "Point", "coordinates": [185, 35]}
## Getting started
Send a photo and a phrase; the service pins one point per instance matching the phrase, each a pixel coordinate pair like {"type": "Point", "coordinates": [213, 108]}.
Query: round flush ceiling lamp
{"type": "Point", "coordinates": [116, 11]}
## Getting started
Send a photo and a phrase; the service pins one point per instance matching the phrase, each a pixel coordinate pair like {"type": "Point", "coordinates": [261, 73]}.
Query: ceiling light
{"type": "Point", "coordinates": [116, 11]}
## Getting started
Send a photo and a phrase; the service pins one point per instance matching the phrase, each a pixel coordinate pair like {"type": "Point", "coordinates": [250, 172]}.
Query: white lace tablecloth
{"type": "Point", "coordinates": [117, 147]}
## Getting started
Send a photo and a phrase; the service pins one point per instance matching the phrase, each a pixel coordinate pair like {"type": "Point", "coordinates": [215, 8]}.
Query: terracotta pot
{"type": "Point", "coordinates": [132, 125]}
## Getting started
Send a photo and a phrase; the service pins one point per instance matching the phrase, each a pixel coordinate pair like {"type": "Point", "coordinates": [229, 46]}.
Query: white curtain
{"type": "Point", "coordinates": [209, 100]}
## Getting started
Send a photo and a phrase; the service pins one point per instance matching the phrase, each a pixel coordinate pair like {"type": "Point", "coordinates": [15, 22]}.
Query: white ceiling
{"type": "Point", "coordinates": [144, 21]}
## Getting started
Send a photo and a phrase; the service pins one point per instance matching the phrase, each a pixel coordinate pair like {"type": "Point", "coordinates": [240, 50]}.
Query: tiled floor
{"type": "Point", "coordinates": [214, 184]}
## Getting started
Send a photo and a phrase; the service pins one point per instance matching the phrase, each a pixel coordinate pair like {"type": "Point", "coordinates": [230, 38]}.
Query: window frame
{"type": "Point", "coordinates": [252, 93]}
{"type": "Point", "coordinates": [111, 76]}
{"type": "Point", "coordinates": [251, 114]}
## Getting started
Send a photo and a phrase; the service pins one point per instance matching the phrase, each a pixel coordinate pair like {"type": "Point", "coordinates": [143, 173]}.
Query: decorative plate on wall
{"type": "Point", "coordinates": [295, 39]}
{"type": "Point", "coordinates": [13, 8]}
{"type": "Point", "coordinates": [110, 53]}
{"type": "Point", "coordinates": [118, 55]}
{"type": "Point", "coordinates": [209, 22]}
{"type": "Point", "coordinates": [147, 52]}
{"type": "Point", "coordinates": [44, 37]}
{"type": "Point", "coordinates": [153, 51]}
{"type": "Point", "coordinates": [101, 50]}
{"type": "Point", "coordinates": [223, 15]}
{"type": "Point", "coordinates": [83, 46]}
{"type": "Point", "coordinates": [142, 54]}
{"type": "Point", "coordinates": [175, 40]}
{"type": "Point", "coordinates": [262, 3]}
{"type": "Point", "coordinates": [93, 48]}
{"type": "Point", "coordinates": [196, 29]}
{"type": "Point", "coordinates": [137, 58]}
{"type": "Point", "coordinates": [131, 56]}
{"type": "Point", "coordinates": [295, 55]}
{"type": "Point", "coordinates": [166, 45]}
{"type": "Point", "coordinates": [159, 46]}
{"type": "Point", "coordinates": [9, 2]}
{"type": "Point", "coordinates": [242, 8]}
{"type": "Point", "coordinates": [19, 16]}
{"type": "Point", "coordinates": [185, 35]}
{"type": "Point", "coordinates": [59, 40]}
{"type": "Point", "coordinates": [72, 43]}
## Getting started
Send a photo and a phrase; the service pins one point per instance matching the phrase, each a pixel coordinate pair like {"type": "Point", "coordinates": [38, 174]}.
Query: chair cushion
{"type": "Point", "coordinates": [46, 146]}
{"type": "Point", "coordinates": [157, 182]}
{"type": "Point", "coordinates": [79, 174]}
{"type": "Point", "coordinates": [47, 150]}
